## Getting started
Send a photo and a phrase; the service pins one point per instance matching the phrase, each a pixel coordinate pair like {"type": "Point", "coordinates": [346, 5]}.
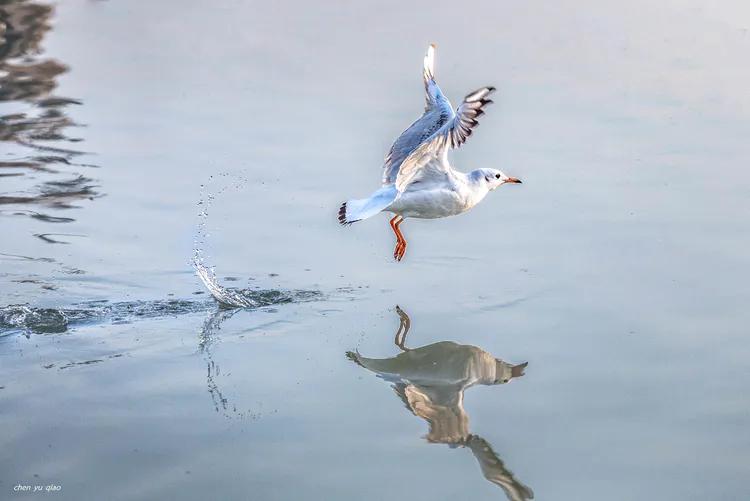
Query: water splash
{"type": "Point", "coordinates": [27, 319]}
{"type": "Point", "coordinates": [207, 274]}
{"type": "Point", "coordinates": [230, 298]}
{"type": "Point", "coordinates": [30, 320]}
{"type": "Point", "coordinates": [226, 296]}
{"type": "Point", "coordinates": [38, 320]}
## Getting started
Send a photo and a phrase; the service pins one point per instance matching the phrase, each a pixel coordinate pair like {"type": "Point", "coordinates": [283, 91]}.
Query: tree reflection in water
{"type": "Point", "coordinates": [34, 123]}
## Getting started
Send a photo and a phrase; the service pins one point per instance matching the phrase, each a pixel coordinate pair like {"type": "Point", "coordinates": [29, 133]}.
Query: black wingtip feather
{"type": "Point", "coordinates": [342, 216]}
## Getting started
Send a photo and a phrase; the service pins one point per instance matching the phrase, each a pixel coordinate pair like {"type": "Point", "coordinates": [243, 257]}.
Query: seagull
{"type": "Point", "coordinates": [417, 179]}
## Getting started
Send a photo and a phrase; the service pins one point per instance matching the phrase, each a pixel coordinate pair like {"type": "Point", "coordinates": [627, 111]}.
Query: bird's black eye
{"type": "Point", "coordinates": [497, 176]}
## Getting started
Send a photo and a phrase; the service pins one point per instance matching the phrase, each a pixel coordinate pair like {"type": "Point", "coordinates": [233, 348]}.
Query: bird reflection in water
{"type": "Point", "coordinates": [430, 380]}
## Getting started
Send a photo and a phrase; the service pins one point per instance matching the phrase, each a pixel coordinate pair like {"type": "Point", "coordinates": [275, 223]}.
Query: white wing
{"type": "Point", "coordinates": [428, 161]}
{"type": "Point", "coordinates": [437, 112]}
{"type": "Point", "coordinates": [430, 158]}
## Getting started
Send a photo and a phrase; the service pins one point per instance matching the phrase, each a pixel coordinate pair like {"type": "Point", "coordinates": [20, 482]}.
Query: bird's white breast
{"type": "Point", "coordinates": [433, 200]}
{"type": "Point", "coordinates": [428, 204]}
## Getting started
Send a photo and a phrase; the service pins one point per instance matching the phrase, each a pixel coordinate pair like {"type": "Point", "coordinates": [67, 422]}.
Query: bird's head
{"type": "Point", "coordinates": [493, 178]}
{"type": "Point", "coordinates": [504, 371]}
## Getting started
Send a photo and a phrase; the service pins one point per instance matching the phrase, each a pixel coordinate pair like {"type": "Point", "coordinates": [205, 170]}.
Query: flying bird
{"type": "Point", "coordinates": [417, 179]}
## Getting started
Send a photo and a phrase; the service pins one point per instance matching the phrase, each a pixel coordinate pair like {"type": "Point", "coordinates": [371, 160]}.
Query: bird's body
{"type": "Point", "coordinates": [448, 195]}
{"type": "Point", "coordinates": [418, 180]}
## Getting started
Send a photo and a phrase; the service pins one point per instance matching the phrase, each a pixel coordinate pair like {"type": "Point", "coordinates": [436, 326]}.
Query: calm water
{"type": "Point", "coordinates": [618, 271]}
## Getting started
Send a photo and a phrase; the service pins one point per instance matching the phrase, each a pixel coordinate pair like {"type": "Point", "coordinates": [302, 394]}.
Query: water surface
{"type": "Point", "coordinates": [617, 272]}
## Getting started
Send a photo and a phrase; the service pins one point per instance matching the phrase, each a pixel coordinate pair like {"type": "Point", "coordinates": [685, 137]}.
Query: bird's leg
{"type": "Point", "coordinates": [400, 249]}
{"type": "Point", "coordinates": [392, 222]}
{"type": "Point", "coordinates": [405, 324]}
{"type": "Point", "coordinates": [398, 341]}
{"type": "Point", "coordinates": [399, 237]}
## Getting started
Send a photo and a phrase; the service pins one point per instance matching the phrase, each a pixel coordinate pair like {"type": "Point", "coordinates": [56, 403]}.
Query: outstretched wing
{"type": "Point", "coordinates": [428, 161]}
{"type": "Point", "coordinates": [466, 118]}
{"type": "Point", "coordinates": [430, 158]}
{"type": "Point", "coordinates": [437, 112]}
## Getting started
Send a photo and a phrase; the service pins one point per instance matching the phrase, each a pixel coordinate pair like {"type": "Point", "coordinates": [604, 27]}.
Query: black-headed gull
{"type": "Point", "coordinates": [418, 181]}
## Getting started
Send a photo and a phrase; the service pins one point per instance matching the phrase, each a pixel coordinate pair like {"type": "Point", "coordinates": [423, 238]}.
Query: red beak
{"type": "Point", "coordinates": [513, 180]}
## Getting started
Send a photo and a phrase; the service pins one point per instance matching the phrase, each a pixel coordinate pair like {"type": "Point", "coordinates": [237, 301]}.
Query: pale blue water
{"type": "Point", "coordinates": [618, 270]}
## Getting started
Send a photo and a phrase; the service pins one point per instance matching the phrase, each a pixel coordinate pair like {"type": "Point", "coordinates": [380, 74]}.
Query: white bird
{"type": "Point", "coordinates": [417, 180]}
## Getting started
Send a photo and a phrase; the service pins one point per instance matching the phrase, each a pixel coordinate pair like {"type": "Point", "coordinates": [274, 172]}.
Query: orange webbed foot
{"type": "Point", "coordinates": [398, 252]}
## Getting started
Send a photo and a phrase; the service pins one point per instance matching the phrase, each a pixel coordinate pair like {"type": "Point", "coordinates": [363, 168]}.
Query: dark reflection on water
{"type": "Point", "coordinates": [431, 380]}
{"type": "Point", "coordinates": [34, 124]}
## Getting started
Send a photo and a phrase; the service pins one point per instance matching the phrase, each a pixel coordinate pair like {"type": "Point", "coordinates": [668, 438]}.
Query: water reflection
{"type": "Point", "coordinates": [210, 331]}
{"type": "Point", "coordinates": [206, 340]}
{"type": "Point", "coordinates": [431, 380]}
{"type": "Point", "coordinates": [33, 121]}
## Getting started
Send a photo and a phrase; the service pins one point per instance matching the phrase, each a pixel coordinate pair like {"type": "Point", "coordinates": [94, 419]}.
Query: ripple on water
{"type": "Point", "coordinates": [27, 319]}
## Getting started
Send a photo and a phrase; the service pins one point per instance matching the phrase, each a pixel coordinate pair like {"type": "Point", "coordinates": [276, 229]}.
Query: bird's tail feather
{"type": "Point", "coordinates": [352, 211]}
